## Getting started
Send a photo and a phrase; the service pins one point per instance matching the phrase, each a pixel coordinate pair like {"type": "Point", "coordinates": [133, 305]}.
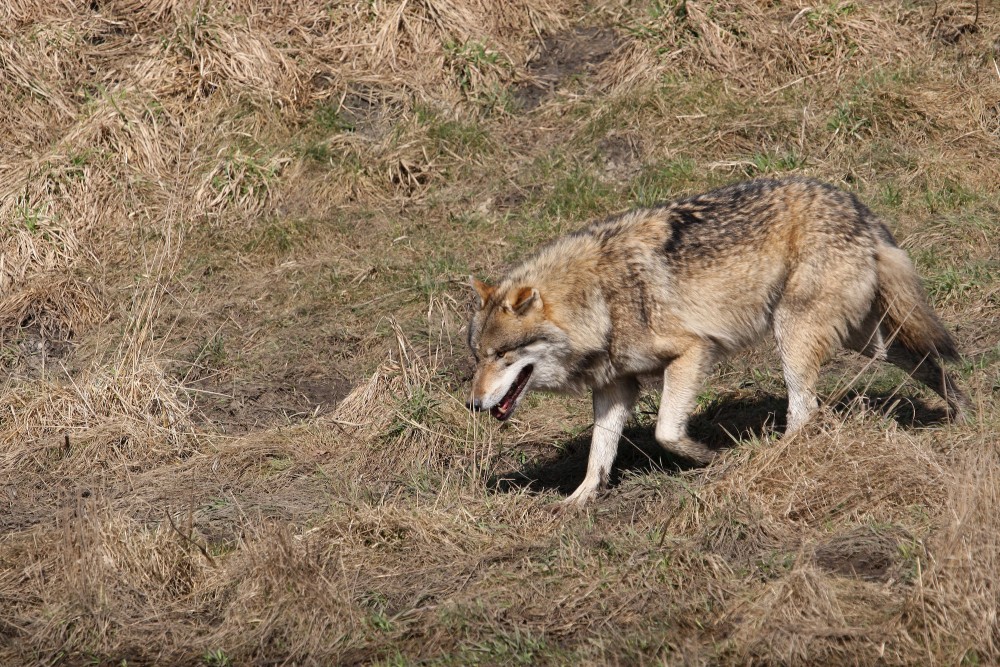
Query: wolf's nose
{"type": "Point", "coordinates": [475, 405]}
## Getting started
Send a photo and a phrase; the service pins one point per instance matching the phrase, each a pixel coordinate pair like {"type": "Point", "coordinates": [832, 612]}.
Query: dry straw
{"type": "Point", "coordinates": [266, 171]}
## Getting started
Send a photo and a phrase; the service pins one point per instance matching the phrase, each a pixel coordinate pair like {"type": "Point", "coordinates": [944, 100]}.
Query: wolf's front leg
{"type": "Point", "coordinates": [682, 380]}
{"type": "Point", "coordinates": [612, 405]}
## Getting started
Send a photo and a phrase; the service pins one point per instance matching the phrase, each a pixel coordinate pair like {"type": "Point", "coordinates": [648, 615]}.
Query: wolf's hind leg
{"type": "Point", "coordinates": [683, 378]}
{"type": "Point", "coordinates": [612, 405]}
{"type": "Point", "coordinates": [804, 345]}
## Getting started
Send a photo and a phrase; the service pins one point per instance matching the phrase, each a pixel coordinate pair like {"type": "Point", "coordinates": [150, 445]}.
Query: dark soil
{"type": "Point", "coordinates": [562, 57]}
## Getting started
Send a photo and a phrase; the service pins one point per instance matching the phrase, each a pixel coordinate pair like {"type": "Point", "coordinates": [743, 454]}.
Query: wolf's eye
{"type": "Point", "coordinates": [500, 354]}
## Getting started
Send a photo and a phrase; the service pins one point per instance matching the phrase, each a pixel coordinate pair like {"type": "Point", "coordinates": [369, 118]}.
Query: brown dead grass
{"type": "Point", "coordinates": [233, 241]}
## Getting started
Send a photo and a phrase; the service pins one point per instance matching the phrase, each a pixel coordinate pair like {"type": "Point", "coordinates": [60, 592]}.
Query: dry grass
{"type": "Point", "coordinates": [232, 259]}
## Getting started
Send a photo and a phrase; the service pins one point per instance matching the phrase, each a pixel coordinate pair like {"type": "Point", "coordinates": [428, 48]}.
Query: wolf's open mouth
{"type": "Point", "coordinates": [505, 408]}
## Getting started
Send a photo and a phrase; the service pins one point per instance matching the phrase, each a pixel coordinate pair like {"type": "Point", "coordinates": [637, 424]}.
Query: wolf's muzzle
{"type": "Point", "coordinates": [474, 404]}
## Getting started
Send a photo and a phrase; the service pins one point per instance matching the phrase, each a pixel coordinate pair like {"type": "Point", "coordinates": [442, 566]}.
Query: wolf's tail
{"type": "Point", "coordinates": [907, 316]}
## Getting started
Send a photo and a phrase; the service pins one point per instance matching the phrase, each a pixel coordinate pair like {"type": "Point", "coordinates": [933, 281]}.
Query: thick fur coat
{"type": "Point", "coordinates": [674, 289]}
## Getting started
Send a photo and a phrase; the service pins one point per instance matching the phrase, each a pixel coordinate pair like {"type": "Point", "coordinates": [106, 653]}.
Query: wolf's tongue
{"type": "Point", "coordinates": [502, 410]}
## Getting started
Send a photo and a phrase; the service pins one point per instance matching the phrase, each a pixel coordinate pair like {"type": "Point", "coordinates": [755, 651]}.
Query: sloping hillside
{"type": "Point", "coordinates": [234, 247]}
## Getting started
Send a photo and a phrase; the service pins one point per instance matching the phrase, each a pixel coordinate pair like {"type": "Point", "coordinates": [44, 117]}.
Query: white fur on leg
{"type": "Point", "coordinates": [682, 380]}
{"type": "Point", "coordinates": [612, 405]}
{"type": "Point", "coordinates": [671, 420]}
{"type": "Point", "coordinates": [801, 405]}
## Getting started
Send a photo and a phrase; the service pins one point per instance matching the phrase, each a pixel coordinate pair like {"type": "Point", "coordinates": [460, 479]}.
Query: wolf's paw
{"type": "Point", "coordinates": [584, 494]}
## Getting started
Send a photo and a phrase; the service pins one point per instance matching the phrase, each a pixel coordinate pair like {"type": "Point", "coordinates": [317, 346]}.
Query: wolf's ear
{"type": "Point", "coordinates": [482, 289]}
{"type": "Point", "coordinates": [525, 299]}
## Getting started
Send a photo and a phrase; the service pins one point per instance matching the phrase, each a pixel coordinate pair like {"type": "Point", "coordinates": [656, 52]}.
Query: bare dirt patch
{"type": "Point", "coordinates": [621, 155]}
{"type": "Point", "coordinates": [560, 58]}
{"type": "Point", "coordinates": [239, 408]}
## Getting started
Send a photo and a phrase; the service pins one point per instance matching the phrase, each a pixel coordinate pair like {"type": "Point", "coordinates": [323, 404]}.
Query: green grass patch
{"type": "Point", "coordinates": [948, 196]}
{"type": "Point", "coordinates": [216, 658]}
{"type": "Point", "coordinates": [663, 181]}
{"type": "Point", "coordinates": [961, 281]}
{"type": "Point", "coordinates": [578, 194]}
{"type": "Point", "coordinates": [212, 353]}
{"type": "Point", "coordinates": [28, 215]}
{"type": "Point", "coordinates": [433, 276]}
{"type": "Point", "coordinates": [770, 163]}
{"type": "Point", "coordinates": [875, 105]}
{"type": "Point", "coordinates": [470, 138]}
{"type": "Point", "coordinates": [829, 15]}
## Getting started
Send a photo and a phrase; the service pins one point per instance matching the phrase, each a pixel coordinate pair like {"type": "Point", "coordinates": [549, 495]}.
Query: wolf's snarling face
{"type": "Point", "coordinates": [516, 348]}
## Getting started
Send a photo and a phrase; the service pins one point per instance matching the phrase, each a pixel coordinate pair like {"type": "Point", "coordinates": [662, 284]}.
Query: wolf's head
{"type": "Point", "coordinates": [516, 346]}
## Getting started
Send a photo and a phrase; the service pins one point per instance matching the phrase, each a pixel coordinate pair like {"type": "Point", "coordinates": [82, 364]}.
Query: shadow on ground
{"type": "Point", "coordinates": [723, 424]}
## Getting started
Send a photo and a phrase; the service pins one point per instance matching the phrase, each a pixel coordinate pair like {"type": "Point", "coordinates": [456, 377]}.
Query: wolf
{"type": "Point", "coordinates": [674, 289]}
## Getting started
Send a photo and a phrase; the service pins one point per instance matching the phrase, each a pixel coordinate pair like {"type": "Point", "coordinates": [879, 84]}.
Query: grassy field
{"type": "Point", "coordinates": [234, 247]}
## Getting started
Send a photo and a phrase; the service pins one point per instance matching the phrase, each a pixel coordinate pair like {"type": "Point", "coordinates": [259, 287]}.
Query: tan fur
{"type": "Point", "coordinates": [674, 289]}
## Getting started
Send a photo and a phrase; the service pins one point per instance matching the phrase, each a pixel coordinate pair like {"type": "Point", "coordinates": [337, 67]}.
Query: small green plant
{"type": "Point", "coordinates": [827, 16]}
{"type": "Point", "coordinates": [415, 410]}
{"type": "Point", "coordinates": [707, 398]}
{"type": "Point", "coordinates": [9, 356]}
{"type": "Point", "coordinates": [775, 564]}
{"type": "Point", "coordinates": [281, 236]}
{"type": "Point", "coordinates": [479, 72]}
{"type": "Point", "coordinates": [318, 151]}
{"type": "Point", "coordinates": [971, 658]}
{"type": "Point", "coordinates": [467, 220]}
{"type": "Point", "coordinates": [910, 555]}
{"type": "Point", "coordinates": [659, 9]}
{"type": "Point", "coordinates": [380, 621]}
{"type": "Point", "coordinates": [212, 353]}
{"type": "Point", "coordinates": [948, 197]}
{"type": "Point", "coordinates": [846, 121]}
{"type": "Point", "coordinates": [470, 60]}
{"type": "Point", "coordinates": [31, 216]}
{"type": "Point", "coordinates": [466, 136]}
{"type": "Point", "coordinates": [217, 503]}
{"type": "Point", "coordinates": [278, 464]}
{"type": "Point", "coordinates": [434, 276]}
{"type": "Point", "coordinates": [513, 647]}
{"type": "Point", "coordinates": [328, 117]}
{"type": "Point", "coordinates": [216, 658]}
{"type": "Point", "coordinates": [663, 18]}
{"type": "Point", "coordinates": [956, 281]}
{"type": "Point", "coordinates": [890, 195]}
{"type": "Point", "coordinates": [396, 659]}
{"type": "Point", "coordinates": [877, 100]}
{"type": "Point", "coordinates": [77, 161]}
